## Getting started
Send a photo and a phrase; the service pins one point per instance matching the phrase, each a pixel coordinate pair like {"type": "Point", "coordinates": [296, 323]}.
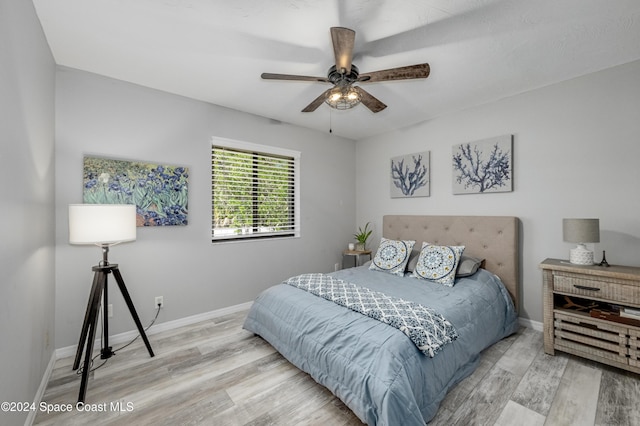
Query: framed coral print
{"type": "Point", "coordinates": [483, 166]}
{"type": "Point", "coordinates": [159, 191]}
{"type": "Point", "coordinates": [410, 175]}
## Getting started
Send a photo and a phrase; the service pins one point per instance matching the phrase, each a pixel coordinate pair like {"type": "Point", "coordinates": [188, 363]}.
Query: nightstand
{"type": "Point", "coordinates": [354, 255]}
{"type": "Point", "coordinates": [580, 318]}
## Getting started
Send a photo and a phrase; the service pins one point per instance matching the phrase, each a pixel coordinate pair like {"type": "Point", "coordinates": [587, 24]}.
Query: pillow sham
{"type": "Point", "coordinates": [392, 256]}
{"type": "Point", "coordinates": [438, 263]}
{"type": "Point", "coordinates": [468, 266]}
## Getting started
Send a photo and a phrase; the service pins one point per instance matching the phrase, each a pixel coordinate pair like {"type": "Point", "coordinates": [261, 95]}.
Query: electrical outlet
{"type": "Point", "coordinates": [110, 310]}
{"type": "Point", "coordinates": [336, 267]}
{"type": "Point", "coordinates": [159, 301]}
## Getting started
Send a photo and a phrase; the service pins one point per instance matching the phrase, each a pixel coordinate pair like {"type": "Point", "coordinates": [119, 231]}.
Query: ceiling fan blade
{"type": "Point", "coordinates": [401, 73]}
{"type": "Point", "coordinates": [317, 102]}
{"type": "Point", "coordinates": [343, 42]}
{"type": "Point", "coordinates": [368, 100]}
{"type": "Point", "coordinates": [270, 76]}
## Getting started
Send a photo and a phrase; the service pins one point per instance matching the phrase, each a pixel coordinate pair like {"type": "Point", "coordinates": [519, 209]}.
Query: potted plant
{"type": "Point", "coordinates": [361, 236]}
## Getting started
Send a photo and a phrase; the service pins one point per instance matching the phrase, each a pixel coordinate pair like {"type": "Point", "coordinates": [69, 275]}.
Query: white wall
{"type": "Point", "coordinates": [100, 116]}
{"type": "Point", "coordinates": [27, 82]}
{"type": "Point", "coordinates": [576, 153]}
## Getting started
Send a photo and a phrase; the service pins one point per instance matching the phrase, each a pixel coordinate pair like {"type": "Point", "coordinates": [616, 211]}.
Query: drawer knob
{"type": "Point", "coordinates": [584, 287]}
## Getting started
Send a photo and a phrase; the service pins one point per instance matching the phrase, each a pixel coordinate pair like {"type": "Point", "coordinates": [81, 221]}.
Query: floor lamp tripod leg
{"type": "Point", "coordinates": [85, 324]}
{"type": "Point", "coordinates": [132, 309]}
{"type": "Point", "coordinates": [92, 323]}
{"type": "Point", "coordinates": [105, 351]}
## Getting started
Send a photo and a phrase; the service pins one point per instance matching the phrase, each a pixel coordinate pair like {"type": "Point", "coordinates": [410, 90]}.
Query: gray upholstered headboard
{"type": "Point", "coordinates": [493, 238]}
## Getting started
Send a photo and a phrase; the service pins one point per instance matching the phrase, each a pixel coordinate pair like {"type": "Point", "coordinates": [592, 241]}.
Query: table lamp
{"type": "Point", "coordinates": [581, 231]}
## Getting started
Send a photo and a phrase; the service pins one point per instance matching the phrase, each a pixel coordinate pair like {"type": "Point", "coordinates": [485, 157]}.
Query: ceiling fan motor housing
{"type": "Point", "coordinates": [340, 79]}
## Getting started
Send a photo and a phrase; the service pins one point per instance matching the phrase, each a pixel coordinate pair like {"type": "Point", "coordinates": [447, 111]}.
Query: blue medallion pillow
{"type": "Point", "coordinates": [438, 263]}
{"type": "Point", "coordinates": [392, 256]}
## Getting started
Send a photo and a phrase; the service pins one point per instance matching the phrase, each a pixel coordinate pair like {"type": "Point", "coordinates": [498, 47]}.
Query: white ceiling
{"type": "Point", "coordinates": [215, 50]}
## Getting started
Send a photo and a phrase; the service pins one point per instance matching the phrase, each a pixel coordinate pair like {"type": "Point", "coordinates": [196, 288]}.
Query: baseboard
{"type": "Point", "coordinates": [526, 322]}
{"type": "Point", "coordinates": [31, 417]}
{"type": "Point", "coordinates": [169, 325]}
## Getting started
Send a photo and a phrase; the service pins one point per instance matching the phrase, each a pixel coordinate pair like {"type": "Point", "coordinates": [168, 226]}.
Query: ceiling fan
{"type": "Point", "coordinates": [343, 75]}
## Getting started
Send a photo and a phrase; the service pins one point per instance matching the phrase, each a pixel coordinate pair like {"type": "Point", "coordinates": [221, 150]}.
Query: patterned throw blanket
{"type": "Point", "coordinates": [428, 330]}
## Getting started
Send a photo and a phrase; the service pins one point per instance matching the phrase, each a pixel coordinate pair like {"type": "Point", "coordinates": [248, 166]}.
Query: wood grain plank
{"type": "Point", "coordinates": [459, 393]}
{"type": "Point", "coordinates": [619, 399]}
{"type": "Point", "coordinates": [524, 416]}
{"type": "Point", "coordinates": [576, 400]}
{"type": "Point", "coordinates": [538, 387]}
{"type": "Point", "coordinates": [521, 353]}
{"type": "Point", "coordinates": [488, 399]}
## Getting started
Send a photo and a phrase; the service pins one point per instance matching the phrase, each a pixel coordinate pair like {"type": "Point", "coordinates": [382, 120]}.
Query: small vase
{"type": "Point", "coordinates": [360, 247]}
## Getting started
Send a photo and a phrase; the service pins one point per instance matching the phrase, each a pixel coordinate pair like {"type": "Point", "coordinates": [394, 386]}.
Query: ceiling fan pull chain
{"type": "Point", "coordinates": [330, 129]}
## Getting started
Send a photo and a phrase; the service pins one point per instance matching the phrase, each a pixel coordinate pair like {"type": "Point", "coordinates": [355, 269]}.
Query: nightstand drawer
{"type": "Point", "coordinates": [600, 287]}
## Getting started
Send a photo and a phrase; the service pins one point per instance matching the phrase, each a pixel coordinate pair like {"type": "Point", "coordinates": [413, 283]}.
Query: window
{"type": "Point", "coordinates": [254, 191]}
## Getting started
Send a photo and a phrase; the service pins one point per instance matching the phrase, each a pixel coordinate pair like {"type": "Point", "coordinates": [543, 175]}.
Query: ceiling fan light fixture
{"type": "Point", "coordinates": [342, 97]}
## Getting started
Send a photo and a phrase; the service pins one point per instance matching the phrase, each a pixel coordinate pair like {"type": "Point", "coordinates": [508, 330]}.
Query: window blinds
{"type": "Point", "coordinates": [253, 194]}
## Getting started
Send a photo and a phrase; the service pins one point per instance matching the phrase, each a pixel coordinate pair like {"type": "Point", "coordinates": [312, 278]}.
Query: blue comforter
{"type": "Point", "coordinates": [373, 368]}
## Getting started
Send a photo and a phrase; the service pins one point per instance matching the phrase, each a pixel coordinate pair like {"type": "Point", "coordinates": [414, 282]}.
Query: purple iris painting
{"type": "Point", "coordinates": [159, 191]}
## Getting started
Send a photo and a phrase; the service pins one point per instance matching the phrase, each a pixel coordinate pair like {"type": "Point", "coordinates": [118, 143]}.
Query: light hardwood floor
{"type": "Point", "coordinates": [216, 373]}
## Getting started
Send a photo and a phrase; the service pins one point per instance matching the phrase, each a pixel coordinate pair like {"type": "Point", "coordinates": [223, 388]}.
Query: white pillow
{"type": "Point", "coordinates": [392, 256]}
{"type": "Point", "coordinates": [438, 263]}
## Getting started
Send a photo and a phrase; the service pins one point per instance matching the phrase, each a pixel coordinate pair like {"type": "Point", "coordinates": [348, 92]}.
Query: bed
{"type": "Point", "coordinates": [383, 376]}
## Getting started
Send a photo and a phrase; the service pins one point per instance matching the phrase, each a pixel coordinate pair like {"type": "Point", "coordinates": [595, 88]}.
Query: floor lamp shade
{"type": "Point", "coordinates": [102, 224]}
{"type": "Point", "coordinates": [581, 231]}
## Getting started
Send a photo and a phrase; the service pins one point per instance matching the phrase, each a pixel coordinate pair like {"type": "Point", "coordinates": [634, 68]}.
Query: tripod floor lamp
{"type": "Point", "coordinates": [103, 225]}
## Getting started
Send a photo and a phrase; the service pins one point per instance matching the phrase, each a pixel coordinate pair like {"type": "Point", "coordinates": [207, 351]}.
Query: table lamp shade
{"type": "Point", "coordinates": [581, 230]}
{"type": "Point", "coordinates": [102, 223]}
